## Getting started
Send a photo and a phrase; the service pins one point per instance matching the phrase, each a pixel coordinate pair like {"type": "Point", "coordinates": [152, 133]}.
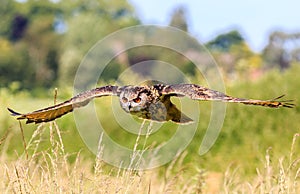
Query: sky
{"type": "Point", "coordinates": [255, 19]}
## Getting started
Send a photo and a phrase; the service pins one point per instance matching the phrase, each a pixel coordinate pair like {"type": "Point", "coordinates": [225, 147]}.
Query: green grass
{"type": "Point", "coordinates": [253, 151]}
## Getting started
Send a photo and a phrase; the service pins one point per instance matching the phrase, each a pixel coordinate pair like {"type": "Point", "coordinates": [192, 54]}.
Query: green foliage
{"type": "Point", "coordinates": [8, 11]}
{"type": "Point", "coordinates": [33, 45]}
{"type": "Point", "coordinates": [148, 58]}
{"type": "Point", "coordinates": [249, 131]}
{"type": "Point", "coordinates": [13, 57]}
{"type": "Point", "coordinates": [87, 24]}
{"type": "Point", "coordinates": [225, 41]}
{"type": "Point", "coordinates": [42, 42]}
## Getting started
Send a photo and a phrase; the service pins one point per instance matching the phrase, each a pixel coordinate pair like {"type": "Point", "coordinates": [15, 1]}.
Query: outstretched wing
{"type": "Point", "coordinates": [197, 92]}
{"type": "Point", "coordinates": [56, 111]}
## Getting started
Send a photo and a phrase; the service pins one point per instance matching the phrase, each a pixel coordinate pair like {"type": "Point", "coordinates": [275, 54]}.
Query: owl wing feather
{"type": "Point", "coordinates": [56, 111]}
{"type": "Point", "coordinates": [197, 92]}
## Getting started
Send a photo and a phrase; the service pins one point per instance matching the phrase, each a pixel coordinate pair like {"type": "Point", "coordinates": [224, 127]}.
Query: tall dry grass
{"type": "Point", "coordinates": [275, 175]}
{"type": "Point", "coordinates": [49, 171]}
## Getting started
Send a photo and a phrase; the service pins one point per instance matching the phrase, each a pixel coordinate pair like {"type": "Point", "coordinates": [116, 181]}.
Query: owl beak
{"type": "Point", "coordinates": [129, 107]}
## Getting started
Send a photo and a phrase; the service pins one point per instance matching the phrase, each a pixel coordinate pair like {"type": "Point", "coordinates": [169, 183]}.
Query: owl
{"type": "Point", "coordinates": [152, 102]}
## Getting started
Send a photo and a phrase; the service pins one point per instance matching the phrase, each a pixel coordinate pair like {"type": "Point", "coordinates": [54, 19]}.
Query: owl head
{"type": "Point", "coordinates": [134, 99]}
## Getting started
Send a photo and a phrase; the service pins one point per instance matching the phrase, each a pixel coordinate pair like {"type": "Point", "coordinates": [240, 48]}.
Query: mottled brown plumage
{"type": "Point", "coordinates": [148, 102]}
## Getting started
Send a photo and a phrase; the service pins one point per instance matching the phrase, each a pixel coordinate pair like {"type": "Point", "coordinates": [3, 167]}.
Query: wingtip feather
{"type": "Point", "coordinates": [13, 113]}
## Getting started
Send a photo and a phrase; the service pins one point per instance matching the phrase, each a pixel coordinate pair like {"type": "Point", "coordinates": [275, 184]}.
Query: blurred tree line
{"type": "Point", "coordinates": [42, 42]}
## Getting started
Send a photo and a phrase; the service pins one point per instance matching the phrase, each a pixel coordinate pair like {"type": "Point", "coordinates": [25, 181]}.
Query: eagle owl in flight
{"type": "Point", "coordinates": [148, 102]}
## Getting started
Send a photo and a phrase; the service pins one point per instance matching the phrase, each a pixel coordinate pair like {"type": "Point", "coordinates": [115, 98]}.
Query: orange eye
{"type": "Point", "coordinates": [137, 100]}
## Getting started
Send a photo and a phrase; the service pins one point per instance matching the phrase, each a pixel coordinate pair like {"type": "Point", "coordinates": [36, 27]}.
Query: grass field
{"type": "Point", "coordinates": [257, 150]}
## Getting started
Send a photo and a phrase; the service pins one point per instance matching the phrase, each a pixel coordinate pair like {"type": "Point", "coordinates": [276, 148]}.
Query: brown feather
{"type": "Point", "coordinates": [196, 92]}
{"type": "Point", "coordinates": [53, 112]}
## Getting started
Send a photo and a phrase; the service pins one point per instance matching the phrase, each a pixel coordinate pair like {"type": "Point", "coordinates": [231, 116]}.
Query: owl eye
{"type": "Point", "coordinates": [137, 100]}
{"type": "Point", "coordinates": [124, 99]}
